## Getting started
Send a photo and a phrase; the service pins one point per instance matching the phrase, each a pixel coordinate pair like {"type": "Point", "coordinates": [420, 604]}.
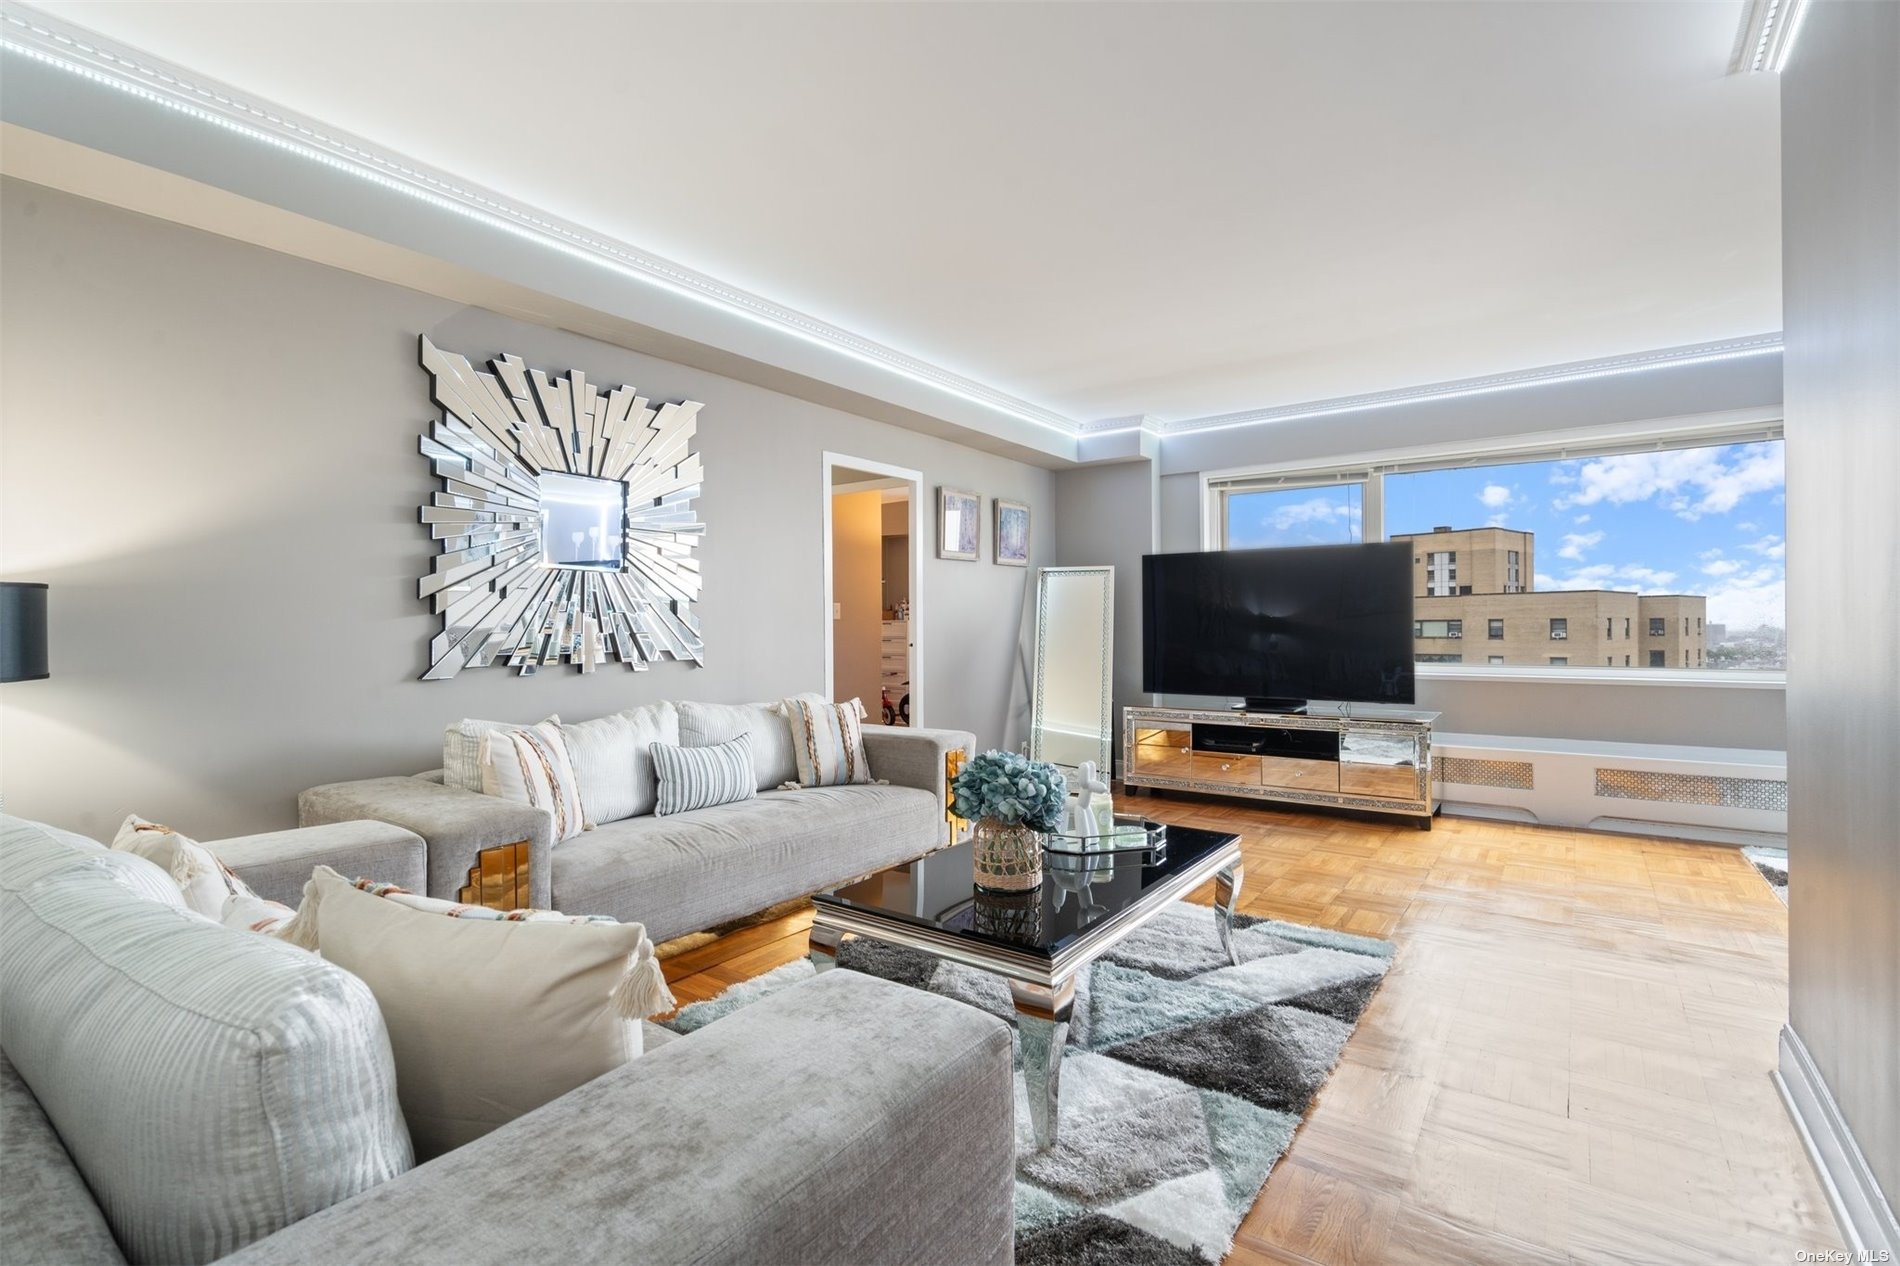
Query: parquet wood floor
{"type": "Point", "coordinates": [1569, 1062]}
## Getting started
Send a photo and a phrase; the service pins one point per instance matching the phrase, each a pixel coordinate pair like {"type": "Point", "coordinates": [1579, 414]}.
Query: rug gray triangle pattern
{"type": "Point", "coordinates": [1182, 1084]}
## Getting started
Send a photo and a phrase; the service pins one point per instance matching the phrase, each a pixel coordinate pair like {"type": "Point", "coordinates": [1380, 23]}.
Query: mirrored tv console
{"type": "Point", "coordinates": [1378, 759]}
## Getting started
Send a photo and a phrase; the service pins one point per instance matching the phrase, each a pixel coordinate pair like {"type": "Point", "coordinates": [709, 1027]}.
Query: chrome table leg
{"type": "Point", "coordinates": [1043, 1021]}
{"type": "Point", "coordinates": [1226, 896]}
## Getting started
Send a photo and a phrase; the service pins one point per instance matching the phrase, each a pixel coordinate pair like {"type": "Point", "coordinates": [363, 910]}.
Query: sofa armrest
{"type": "Point", "coordinates": [905, 757]}
{"type": "Point", "coordinates": [456, 825]}
{"type": "Point", "coordinates": [277, 865]}
{"type": "Point", "coordinates": [844, 1120]}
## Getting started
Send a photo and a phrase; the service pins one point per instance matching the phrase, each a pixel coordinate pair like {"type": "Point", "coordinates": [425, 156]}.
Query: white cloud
{"type": "Point", "coordinates": [1495, 496]}
{"type": "Point", "coordinates": [1690, 482]}
{"type": "Point", "coordinates": [1581, 519]}
{"type": "Point", "coordinates": [1747, 527]}
{"type": "Point", "coordinates": [1577, 544]}
{"type": "Point", "coordinates": [1770, 546]}
{"type": "Point", "coordinates": [1313, 510]}
{"type": "Point", "coordinates": [1721, 567]}
{"type": "Point", "coordinates": [1612, 576]}
{"type": "Point", "coordinates": [1750, 598]}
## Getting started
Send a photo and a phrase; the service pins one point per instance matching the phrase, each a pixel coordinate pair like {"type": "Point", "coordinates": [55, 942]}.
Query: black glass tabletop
{"type": "Point", "coordinates": [938, 892]}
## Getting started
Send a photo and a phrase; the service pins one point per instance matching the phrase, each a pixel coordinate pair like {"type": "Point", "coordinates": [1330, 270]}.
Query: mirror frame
{"type": "Point", "coordinates": [1038, 665]}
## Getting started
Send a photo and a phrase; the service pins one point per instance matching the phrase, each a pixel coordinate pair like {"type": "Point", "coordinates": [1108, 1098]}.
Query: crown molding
{"type": "Point", "coordinates": [1574, 371]}
{"type": "Point", "coordinates": [27, 32]}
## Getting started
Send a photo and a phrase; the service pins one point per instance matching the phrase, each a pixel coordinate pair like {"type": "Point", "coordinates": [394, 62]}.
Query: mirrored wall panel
{"type": "Point", "coordinates": [1071, 699]}
{"type": "Point", "coordinates": [565, 525]}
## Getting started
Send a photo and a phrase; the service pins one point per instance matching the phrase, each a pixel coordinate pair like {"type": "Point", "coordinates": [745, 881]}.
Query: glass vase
{"type": "Point", "coordinates": [1008, 856]}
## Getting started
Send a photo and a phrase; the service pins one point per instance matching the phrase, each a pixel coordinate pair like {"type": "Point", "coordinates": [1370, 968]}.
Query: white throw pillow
{"type": "Point", "coordinates": [532, 767]}
{"type": "Point", "coordinates": [462, 750]}
{"type": "Point", "coordinates": [774, 763]}
{"type": "Point", "coordinates": [701, 777]}
{"type": "Point", "coordinates": [613, 763]}
{"type": "Point", "coordinates": [490, 1015]}
{"type": "Point", "coordinates": [205, 882]}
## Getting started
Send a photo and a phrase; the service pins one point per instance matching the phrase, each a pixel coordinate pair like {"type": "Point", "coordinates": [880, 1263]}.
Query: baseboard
{"type": "Point", "coordinates": [1866, 1219]}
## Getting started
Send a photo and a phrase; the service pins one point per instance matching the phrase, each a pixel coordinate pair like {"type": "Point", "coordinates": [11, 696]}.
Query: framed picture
{"type": "Point", "coordinates": [1012, 533]}
{"type": "Point", "coordinates": [959, 527]}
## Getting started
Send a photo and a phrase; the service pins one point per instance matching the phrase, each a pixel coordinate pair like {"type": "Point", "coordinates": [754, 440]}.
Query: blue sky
{"type": "Point", "coordinates": [1700, 520]}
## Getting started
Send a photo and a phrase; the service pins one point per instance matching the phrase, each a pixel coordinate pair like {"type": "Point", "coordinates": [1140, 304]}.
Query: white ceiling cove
{"type": "Point", "coordinates": [1175, 210]}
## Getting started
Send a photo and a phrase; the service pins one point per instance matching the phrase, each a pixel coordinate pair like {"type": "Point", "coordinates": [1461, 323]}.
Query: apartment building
{"type": "Point", "coordinates": [1477, 603]}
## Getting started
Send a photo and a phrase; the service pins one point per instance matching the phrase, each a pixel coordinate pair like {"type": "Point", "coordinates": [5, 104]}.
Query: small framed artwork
{"type": "Point", "coordinates": [959, 524]}
{"type": "Point", "coordinates": [1012, 533]}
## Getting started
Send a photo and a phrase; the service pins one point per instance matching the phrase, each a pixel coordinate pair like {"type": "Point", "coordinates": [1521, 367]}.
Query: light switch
{"type": "Point", "coordinates": [837, 610]}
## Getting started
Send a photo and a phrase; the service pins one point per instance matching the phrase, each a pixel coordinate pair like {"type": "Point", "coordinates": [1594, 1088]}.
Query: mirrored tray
{"type": "Point", "coordinates": [1132, 836]}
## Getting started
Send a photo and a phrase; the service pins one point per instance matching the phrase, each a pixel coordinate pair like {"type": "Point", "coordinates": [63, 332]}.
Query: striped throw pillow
{"type": "Point", "coordinates": [532, 766]}
{"type": "Point", "coordinates": [829, 741]}
{"type": "Point", "coordinates": [701, 777]}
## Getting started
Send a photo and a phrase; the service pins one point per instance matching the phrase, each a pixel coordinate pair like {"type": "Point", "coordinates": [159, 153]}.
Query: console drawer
{"type": "Point", "coordinates": [1305, 775]}
{"type": "Point", "coordinates": [1242, 771]}
{"type": "Point", "coordinates": [1161, 751]}
{"type": "Point", "coordinates": [1388, 782]}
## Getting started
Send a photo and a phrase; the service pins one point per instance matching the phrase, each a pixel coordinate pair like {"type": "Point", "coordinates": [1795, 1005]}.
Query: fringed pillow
{"type": "Point", "coordinates": [208, 886]}
{"type": "Point", "coordinates": [532, 766]}
{"type": "Point", "coordinates": [828, 739]}
{"type": "Point", "coordinates": [490, 1013]}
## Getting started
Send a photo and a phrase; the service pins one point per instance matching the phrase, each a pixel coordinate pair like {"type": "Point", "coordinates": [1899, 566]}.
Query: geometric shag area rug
{"type": "Point", "coordinates": [1772, 863]}
{"type": "Point", "coordinates": [1182, 1083]}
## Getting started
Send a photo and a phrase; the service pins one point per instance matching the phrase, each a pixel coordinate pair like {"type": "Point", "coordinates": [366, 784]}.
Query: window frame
{"type": "Point", "coordinates": [1369, 469]}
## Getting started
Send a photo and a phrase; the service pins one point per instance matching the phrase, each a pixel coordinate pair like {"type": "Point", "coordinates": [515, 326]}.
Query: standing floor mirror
{"type": "Point", "coordinates": [1071, 702]}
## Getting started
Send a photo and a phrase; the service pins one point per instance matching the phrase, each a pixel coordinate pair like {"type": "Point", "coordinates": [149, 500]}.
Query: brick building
{"type": "Point", "coordinates": [1476, 602]}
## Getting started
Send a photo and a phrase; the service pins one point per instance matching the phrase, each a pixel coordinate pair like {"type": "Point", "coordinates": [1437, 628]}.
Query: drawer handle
{"type": "Point", "coordinates": [1224, 768]}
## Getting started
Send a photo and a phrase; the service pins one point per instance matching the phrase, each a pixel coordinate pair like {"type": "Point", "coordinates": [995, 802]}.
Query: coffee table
{"type": "Point", "coordinates": [1038, 941]}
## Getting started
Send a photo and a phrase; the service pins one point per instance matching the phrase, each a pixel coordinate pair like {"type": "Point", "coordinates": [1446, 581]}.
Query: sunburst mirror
{"type": "Point", "coordinates": [565, 527]}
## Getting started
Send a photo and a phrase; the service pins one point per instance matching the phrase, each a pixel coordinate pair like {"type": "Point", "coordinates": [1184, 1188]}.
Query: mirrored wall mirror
{"type": "Point", "coordinates": [1071, 675]}
{"type": "Point", "coordinates": [583, 521]}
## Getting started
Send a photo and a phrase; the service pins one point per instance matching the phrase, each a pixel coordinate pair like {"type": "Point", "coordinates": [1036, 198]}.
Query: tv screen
{"type": "Point", "coordinates": [1313, 622]}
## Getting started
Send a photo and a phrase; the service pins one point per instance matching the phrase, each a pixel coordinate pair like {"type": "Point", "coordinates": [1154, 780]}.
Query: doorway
{"type": "Point", "coordinates": [874, 517]}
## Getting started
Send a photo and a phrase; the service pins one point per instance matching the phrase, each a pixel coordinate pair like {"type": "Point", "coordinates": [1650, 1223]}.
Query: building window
{"type": "Point", "coordinates": [1328, 515]}
{"type": "Point", "coordinates": [1560, 659]}
{"type": "Point", "coordinates": [1441, 659]}
{"type": "Point", "coordinates": [1494, 629]}
{"type": "Point", "coordinates": [1438, 628]}
{"type": "Point", "coordinates": [1626, 661]}
{"type": "Point", "coordinates": [1559, 628]}
{"type": "Point", "coordinates": [1658, 626]}
{"type": "Point", "coordinates": [1609, 627]}
{"type": "Point", "coordinates": [1657, 660]}
{"type": "Point", "coordinates": [1699, 517]}
{"type": "Point", "coordinates": [1496, 659]}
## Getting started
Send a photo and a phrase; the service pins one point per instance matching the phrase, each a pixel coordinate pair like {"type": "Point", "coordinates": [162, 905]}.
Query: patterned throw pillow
{"type": "Point", "coordinates": [531, 766]}
{"type": "Point", "coordinates": [829, 739]}
{"type": "Point", "coordinates": [701, 777]}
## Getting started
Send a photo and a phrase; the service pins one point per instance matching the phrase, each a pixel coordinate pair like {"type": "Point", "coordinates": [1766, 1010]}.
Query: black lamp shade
{"type": "Point", "coordinates": [22, 631]}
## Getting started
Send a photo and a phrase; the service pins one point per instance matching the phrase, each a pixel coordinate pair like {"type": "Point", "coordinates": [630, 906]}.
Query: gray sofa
{"type": "Point", "coordinates": [845, 1120]}
{"type": "Point", "coordinates": [688, 871]}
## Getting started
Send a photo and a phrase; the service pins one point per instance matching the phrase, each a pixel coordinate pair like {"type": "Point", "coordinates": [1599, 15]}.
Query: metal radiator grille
{"type": "Point", "coordinates": [1518, 775]}
{"type": "Point", "coordinates": [1728, 793]}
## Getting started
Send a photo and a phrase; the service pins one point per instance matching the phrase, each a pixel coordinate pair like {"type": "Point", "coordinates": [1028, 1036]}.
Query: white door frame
{"type": "Point", "coordinates": [915, 478]}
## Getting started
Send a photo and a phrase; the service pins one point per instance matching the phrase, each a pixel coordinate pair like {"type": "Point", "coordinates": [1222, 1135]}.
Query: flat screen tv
{"type": "Point", "coordinates": [1277, 627]}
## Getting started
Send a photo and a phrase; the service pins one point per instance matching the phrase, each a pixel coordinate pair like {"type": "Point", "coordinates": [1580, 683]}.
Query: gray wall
{"type": "Point", "coordinates": [209, 451]}
{"type": "Point", "coordinates": [1105, 516]}
{"type": "Point", "coordinates": [1840, 110]}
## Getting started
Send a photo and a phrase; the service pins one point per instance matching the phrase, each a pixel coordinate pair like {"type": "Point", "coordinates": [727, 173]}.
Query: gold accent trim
{"type": "Point", "coordinates": [952, 766]}
{"type": "Point", "coordinates": [499, 878]}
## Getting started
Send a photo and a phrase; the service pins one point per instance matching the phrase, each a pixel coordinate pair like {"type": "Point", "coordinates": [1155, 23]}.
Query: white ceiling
{"type": "Point", "coordinates": [1105, 209]}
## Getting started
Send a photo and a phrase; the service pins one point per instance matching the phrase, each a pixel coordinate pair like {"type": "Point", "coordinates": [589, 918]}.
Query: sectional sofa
{"type": "Point", "coordinates": [173, 1090]}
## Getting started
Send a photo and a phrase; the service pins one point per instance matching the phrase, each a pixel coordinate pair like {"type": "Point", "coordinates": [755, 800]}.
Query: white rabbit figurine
{"type": "Point", "coordinates": [1088, 787]}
